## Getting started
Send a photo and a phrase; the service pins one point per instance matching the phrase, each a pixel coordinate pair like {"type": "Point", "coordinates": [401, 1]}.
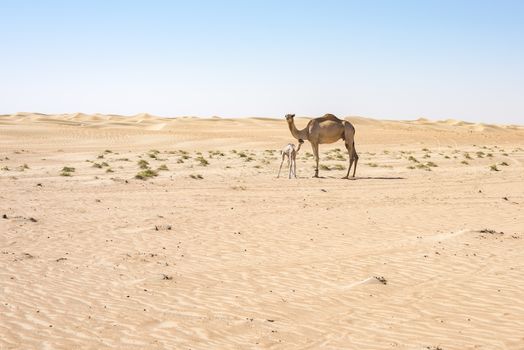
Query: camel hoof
{"type": "Point", "coordinates": [345, 177]}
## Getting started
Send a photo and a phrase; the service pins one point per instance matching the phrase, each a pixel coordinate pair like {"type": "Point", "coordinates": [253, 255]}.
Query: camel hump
{"type": "Point", "coordinates": [329, 116]}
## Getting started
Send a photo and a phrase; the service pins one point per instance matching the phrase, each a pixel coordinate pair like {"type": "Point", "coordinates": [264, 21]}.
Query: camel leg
{"type": "Point", "coordinates": [290, 164]}
{"type": "Point", "coordinates": [353, 158]}
{"type": "Point", "coordinates": [282, 162]}
{"type": "Point", "coordinates": [315, 153]}
{"type": "Point", "coordinates": [350, 159]}
{"type": "Point", "coordinates": [295, 167]}
{"type": "Point", "coordinates": [349, 141]}
{"type": "Point", "coordinates": [355, 155]}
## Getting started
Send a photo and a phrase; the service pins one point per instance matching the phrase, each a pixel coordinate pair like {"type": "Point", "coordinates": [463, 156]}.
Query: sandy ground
{"type": "Point", "coordinates": [238, 259]}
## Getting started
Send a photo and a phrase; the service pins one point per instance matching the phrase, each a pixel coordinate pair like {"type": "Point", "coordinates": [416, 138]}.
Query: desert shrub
{"type": "Point", "coordinates": [338, 167]}
{"type": "Point", "coordinates": [145, 174]}
{"type": "Point", "coordinates": [336, 156]}
{"type": "Point", "coordinates": [143, 164]}
{"type": "Point", "coordinates": [202, 161]}
{"type": "Point", "coordinates": [216, 153]}
{"type": "Point", "coordinates": [66, 171]}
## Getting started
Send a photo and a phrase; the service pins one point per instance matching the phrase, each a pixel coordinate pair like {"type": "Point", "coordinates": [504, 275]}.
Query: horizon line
{"type": "Point", "coordinates": [421, 118]}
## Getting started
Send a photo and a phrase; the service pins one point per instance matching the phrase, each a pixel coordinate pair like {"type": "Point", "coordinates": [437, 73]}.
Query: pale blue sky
{"type": "Point", "coordinates": [382, 59]}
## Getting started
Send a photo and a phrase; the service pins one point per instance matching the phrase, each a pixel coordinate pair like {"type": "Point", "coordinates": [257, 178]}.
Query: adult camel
{"type": "Point", "coordinates": [326, 129]}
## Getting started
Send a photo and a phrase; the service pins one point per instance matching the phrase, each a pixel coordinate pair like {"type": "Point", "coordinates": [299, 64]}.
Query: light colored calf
{"type": "Point", "coordinates": [290, 153]}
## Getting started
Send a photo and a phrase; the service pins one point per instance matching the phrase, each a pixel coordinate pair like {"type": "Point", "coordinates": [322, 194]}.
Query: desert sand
{"type": "Point", "coordinates": [424, 250]}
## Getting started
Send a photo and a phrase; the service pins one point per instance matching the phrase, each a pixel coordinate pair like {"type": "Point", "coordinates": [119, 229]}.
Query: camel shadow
{"type": "Point", "coordinates": [357, 178]}
{"type": "Point", "coordinates": [377, 178]}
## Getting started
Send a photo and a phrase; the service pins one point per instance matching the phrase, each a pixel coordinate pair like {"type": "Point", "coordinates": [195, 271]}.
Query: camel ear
{"type": "Point", "coordinates": [292, 115]}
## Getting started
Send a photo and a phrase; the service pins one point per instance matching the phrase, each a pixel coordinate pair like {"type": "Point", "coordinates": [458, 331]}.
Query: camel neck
{"type": "Point", "coordinates": [298, 134]}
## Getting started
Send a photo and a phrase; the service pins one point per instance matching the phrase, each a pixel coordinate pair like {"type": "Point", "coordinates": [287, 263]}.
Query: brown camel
{"type": "Point", "coordinates": [326, 129]}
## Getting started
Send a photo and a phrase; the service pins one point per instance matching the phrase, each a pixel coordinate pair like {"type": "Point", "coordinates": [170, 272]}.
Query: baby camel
{"type": "Point", "coordinates": [291, 154]}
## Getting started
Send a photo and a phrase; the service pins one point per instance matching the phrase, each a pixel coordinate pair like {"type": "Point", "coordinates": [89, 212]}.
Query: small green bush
{"type": "Point", "coordinates": [145, 174]}
{"type": "Point", "coordinates": [202, 161]}
{"type": "Point", "coordinates": [143, 164]}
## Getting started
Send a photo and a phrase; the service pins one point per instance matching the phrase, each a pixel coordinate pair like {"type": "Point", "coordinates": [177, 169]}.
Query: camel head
{"type": "Point", "coordinates": [289, 117]}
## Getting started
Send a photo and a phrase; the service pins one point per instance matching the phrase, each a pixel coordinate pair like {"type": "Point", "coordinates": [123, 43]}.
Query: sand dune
{"type": "Point", "coordinates": [422, 251]}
